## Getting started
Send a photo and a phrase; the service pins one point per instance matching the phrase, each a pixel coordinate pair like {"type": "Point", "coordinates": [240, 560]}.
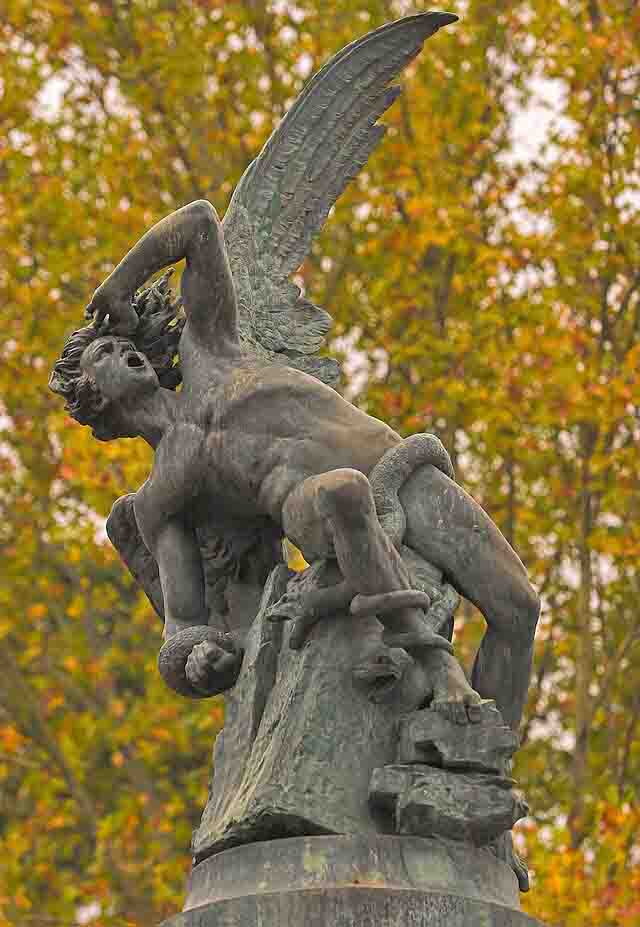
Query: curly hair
{"type": "Point", "coordinates": [160, 325]}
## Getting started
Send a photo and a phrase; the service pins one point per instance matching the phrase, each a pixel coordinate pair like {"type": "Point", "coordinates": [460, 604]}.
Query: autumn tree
{"type": "Point", "coordinates": [481, 291]}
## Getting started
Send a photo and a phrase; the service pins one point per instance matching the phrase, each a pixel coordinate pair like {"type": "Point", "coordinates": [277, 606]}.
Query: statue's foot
{"type": "Point", "coordinates": [453, 697]}
{"type": "Point", "coordinates": [384, 602]}
{"type": "Point", "coordinates": [462, 710]}
{"type": "Point", "coordinates": [420, 635]}
{"type": "Point", "coordinates": [307, 608]}
{"type": "Point", "coordinates": [381, 671]}
{"type": "Point", "coordinates": [291, 607]}
{"type": "Point", "coordinates": [416, 642]}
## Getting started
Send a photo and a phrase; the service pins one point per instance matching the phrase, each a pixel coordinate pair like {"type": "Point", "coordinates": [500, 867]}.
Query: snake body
{"type": "Point", "coordinates": [392, 471]}
{"type": "Point", "coordinates": [174, 653]}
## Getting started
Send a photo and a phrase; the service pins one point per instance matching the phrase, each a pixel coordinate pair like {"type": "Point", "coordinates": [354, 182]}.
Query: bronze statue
{"type": "Point", "coordinates": [255, 441]}
{"type": "Point", "coordinates": [349, 662]}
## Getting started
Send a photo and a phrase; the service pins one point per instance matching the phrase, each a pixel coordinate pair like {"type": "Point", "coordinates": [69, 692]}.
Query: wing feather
{"type": "Point", "coordinates": [285, 195]}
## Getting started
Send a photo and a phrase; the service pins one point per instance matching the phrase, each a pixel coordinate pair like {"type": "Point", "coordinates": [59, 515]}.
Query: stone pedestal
{"type": "Point", "coordinates": [324, 809]}
{"type": "Point", "coordinates": [351, 881]}
{"type": "Point", "coordinates": [301, 739]}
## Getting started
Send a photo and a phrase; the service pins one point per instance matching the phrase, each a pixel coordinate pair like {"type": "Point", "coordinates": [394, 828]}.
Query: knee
{"type": "Point", "coordinates": [121, 521]}
{"type": "Point", "coordinates": [148, 518]}
{"type": "Point", "coordinates": [345, 493]}
{"type": "Point", "coordinates": [526, 612]}
{"type": "Point", "coordinates": [532, 608]}
{"type": "Point", "coordinates": [203, 213]}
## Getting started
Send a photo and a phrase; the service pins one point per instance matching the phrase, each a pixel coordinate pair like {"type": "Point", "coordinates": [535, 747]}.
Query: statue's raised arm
{"type": "Point", "coordinates": [236, 287]}
{"type": "Point", "coordinates": [208, 296]}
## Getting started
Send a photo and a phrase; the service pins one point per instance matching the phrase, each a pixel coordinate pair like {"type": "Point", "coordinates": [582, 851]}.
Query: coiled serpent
{"type": "Point", "coordinates": [174, 653]}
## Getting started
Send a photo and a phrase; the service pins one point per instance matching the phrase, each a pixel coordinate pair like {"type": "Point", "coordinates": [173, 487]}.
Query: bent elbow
{"type": "Point", "coordinates": [203, 213]}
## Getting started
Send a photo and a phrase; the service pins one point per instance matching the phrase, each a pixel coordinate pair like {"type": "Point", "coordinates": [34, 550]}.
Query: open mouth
{"type": "Point", "coordinates": [134, 360]}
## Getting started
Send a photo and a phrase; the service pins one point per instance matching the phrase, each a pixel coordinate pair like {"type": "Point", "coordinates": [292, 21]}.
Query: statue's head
{"type": "Point", "coordinates": [102, 376]}
{"type": "Point", "coordinates": [117, 371]}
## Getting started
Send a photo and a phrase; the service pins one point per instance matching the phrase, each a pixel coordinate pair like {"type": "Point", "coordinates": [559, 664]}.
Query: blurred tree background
{"type": "Point", "coordinates": [484, 274]}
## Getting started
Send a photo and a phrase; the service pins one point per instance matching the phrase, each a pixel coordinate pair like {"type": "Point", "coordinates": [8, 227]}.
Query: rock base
{"type": "Point", "coordinates": [428, 802]}
{"type": "Point", "coordinates": [350, 881]}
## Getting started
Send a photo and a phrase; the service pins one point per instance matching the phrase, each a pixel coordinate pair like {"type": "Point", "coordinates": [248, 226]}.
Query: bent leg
{"type": "Point", "coordinates": [335, 513]}
{"type": "Point", "coordinates": [181, 577]}
{"type": "Point", "coordinates": [123, 532]}
{"type": "Point", "coordinates": [159, 509]}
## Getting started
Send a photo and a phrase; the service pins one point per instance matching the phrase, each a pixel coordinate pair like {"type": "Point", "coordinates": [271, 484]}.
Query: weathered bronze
{"type": "Point", "coordinates": [256, 446]}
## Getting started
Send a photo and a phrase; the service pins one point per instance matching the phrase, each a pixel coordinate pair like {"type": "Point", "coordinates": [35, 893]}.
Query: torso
{"type": "Point", "coordinates": [268, 427]}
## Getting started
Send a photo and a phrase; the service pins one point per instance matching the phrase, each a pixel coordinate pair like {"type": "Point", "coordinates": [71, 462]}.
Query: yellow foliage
{"type": "Point", "coordinates": [505, 298]}
{"type": "Point", "coordinates": [36, 611]}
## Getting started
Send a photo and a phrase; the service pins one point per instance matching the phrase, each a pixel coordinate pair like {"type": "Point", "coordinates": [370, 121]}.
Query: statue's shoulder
{"type": "Point", "coordinates": [254, 377]}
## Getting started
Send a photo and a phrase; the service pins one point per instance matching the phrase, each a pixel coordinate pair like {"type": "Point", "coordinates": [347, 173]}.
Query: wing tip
{"type": "Point", "coordinates": [422, 25]}
{"type": "Point", "coordinates": [428, 23]}
{"type": "Point", "coordinates": [442, 18]}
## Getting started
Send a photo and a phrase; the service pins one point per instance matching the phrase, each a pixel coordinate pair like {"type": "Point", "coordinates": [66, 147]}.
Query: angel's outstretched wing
{"type": "Point", "coordinates": [285, 195]}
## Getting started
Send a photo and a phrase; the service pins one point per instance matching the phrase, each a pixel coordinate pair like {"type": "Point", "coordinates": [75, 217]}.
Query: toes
{"type": "Point", "coordinates": [458, 711]}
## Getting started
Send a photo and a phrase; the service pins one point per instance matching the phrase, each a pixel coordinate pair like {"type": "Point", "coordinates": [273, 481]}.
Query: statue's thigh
{"type": "Point", "coordinates": [449, 529]}
{"type": "Point", "coordinates": [302, 522]}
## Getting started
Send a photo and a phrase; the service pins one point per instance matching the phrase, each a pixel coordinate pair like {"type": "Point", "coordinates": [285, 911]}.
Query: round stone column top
{"type": "Point", "coordinates": [298, 864]}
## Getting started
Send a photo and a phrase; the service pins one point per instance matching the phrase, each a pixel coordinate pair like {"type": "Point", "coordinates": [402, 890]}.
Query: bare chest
{"type": "Point", "coordinates": [245, 434]}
